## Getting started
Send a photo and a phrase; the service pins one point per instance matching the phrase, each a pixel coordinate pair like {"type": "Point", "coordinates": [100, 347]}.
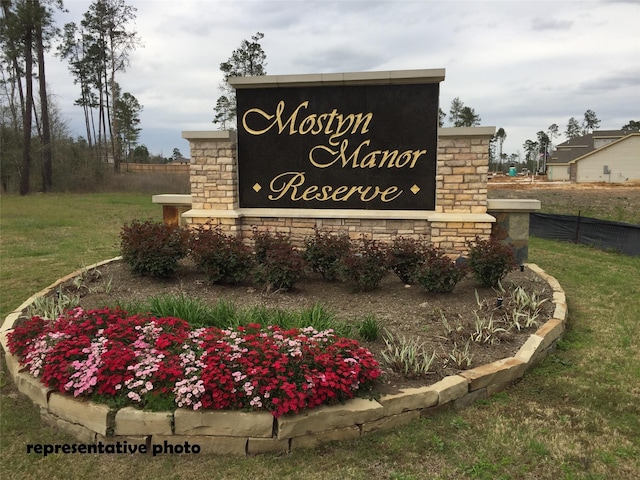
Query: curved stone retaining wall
{"type": "Point", "coordinates": [248, 433]}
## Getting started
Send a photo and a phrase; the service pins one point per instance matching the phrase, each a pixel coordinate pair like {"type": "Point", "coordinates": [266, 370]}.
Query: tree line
{"type": "Point", "coordinates": [98, 51]}
{"type": "Point", "coordinates": [32, 133]}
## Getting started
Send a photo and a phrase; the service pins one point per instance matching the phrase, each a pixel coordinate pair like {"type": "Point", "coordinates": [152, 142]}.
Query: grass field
{"type": "Point", "coordinates": [575, 416]}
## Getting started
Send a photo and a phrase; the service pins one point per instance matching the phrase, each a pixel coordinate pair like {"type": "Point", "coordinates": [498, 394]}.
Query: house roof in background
{"type": "Point", "coordinates": [580, 146]}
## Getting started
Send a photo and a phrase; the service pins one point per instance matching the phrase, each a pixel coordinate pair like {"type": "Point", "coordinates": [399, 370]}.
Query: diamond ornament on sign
{"type": "Point", "coordinates": [415, 189]}
{"type": "Point", "coordinates": [257, 187]}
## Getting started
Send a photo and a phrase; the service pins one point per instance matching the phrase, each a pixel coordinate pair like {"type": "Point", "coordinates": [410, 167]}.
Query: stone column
{"type": "Point", "coordinates": [461, 188]}
{"type": "Point", "coordinates": [463, 164]}
{"type": "Point", "coordinates": [214, 179]}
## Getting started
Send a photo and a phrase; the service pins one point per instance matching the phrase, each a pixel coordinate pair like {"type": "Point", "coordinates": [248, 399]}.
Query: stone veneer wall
{"type": "Point", "coordinates": [512, 223]}
{"type": "Point", "coordinates": [461, 196]}
{"type": "Point", "coordinates": [248, 433]}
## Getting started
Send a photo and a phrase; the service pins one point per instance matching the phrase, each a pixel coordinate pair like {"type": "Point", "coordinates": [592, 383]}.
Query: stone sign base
{"type": "Point", "coordinates": [459, 217]}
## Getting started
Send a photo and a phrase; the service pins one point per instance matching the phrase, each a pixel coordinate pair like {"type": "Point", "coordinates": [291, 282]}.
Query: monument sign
{"type": "Point", "coordinates": [345, 146]}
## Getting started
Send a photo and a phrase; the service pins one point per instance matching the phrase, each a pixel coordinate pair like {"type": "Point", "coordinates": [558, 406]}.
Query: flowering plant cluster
{"type": "Point", "coordinates": [136, 359]}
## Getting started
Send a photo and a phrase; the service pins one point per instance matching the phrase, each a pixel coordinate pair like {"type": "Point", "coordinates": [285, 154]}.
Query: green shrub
{"type": "Point", "coordinates": [153, 249]}
{"type": "Point", "coordinates": [222, 258]}
{"type": "Point", "coordinates": [324, 251]}
{"type": "Point", "coordinates": [438, 273]}
{"type": "Point", "coordinates": [264, 240]}
{"type": "Point", "coordinates": [365, 265]}
{"type": "Point", "coordinates": [490, 261]}
{"type": "Point", "coordinates": [278, 263]}
{"type": "Point", "coordinates": [405, 254]}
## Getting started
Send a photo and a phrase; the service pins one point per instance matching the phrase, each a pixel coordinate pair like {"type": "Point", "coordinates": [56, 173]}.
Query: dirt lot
{"type": "Point", "coordinates": [605, 201]}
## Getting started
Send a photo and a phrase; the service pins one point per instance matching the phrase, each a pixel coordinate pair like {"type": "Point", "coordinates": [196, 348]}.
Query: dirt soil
{"type": "Point", "coordinates": [617, 202]}
{"type": "Point", "coordinates": [404, 311]}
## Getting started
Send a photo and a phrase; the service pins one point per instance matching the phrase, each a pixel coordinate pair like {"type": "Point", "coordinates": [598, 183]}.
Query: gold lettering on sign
{"type": "Point", "coordinates": [337, 149]}
{"type": "Point", "coordinates": [333, 123]}
{"type": "Point", "coordinates": [291, 185]}
{"type": "Point", "coordinates": [373, 159]}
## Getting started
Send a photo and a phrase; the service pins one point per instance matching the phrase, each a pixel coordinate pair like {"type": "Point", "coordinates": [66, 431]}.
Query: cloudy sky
{"type": "Point", "coordinates": [521, 65]}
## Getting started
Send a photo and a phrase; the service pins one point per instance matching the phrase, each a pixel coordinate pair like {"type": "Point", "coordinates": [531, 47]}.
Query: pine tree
{"type": "Point", "coordinates": [247, 61]}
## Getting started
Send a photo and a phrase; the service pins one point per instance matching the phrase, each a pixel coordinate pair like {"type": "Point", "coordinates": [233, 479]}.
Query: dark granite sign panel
{"type": "Point", "coordinates": [349, 146]}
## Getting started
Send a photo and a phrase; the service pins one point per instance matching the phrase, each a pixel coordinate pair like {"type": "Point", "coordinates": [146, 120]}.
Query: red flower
{"type": "Point", "coordinates": [251, 367]}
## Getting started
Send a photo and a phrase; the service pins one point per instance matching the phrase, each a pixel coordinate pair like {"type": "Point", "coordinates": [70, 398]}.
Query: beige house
{"type": "Point", "coordinates": [610, 156]}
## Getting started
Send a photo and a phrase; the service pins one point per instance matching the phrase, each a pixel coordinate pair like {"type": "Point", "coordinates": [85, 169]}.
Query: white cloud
{"type": "Point", "coordinates": [522, 65]}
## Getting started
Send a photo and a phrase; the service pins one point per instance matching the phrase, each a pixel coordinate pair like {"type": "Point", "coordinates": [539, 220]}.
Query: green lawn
{"type": "Point", "coordinates": [47, 236]}
{"type": "Point", "coordinates": [575, 416]}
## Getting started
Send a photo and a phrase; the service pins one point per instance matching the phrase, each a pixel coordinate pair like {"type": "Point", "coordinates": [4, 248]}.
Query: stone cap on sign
{"type": "Point", "coordinates": [393, 77]}
{"type": "Point", "coordinates": [427, 215]}
{"type": "Point", "coordinates": [466, 132]}
{"type": "Point", "coordinates": [172, 199]}
{"type": "Point", "coordinates": [211, 135]}
{"type": "Point", "coordinates": [513, 205]}
{"type": "Point", "coordinates": [231, 135]}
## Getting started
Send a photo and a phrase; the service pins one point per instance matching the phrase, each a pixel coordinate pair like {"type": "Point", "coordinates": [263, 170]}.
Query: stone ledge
{"type": "Point", "coordinates": [13, 365]}
{"type": "Point", "coordinates": [33, 388]}
{"type": "Point", "coordinates": [9, 321]}
{"type": "Point", "coordinates": [225, 432]}
{"type": "Point", "coordinates": [211, 136]}
{"type": "Point", "coordinates": [389, 77]}
{"type": "Point", "coordinates": [530, 351]}
{"type": "Point", "coordinates": [550, 332]}
{"type": "Point", "coordinates": [90, 415]}
{"type": "Point", "coordinates": [409, 399]}
{"type": "Point", "coordinates": [451, 388]}
{"type": "Point", "coordinates": [223, 423]}
{"type": "Point", "coordinates": [132, 421]}
{"type": "Point", "coordinates": [461, 217]}
{"type": "Point", "coordinates": [501, 371]}
{"type": "Point", "coordinates": [475, 132]}
{"type": "Point", "coordinates": [354, 412]}
{"type": "Point", "coordinates": [172, 199]}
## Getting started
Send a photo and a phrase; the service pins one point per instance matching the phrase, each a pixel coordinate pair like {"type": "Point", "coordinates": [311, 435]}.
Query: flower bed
{"type": "Point", "coordinates": [247, 433]}
{"type": "Point", "coordinates": [160, 363]}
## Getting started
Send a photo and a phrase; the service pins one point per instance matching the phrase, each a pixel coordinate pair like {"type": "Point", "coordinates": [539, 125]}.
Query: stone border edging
{"type": "Point", "coordinates": [249, 433]}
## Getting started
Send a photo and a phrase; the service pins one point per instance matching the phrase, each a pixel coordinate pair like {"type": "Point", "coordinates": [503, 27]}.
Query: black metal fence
{"type": "Point", "coordinates": [622, 237]}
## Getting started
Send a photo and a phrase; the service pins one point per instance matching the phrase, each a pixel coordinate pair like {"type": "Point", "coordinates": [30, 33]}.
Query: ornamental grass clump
{"type": "Point", "coordinates": [153, 249]}
{"type": "Point", "coordinates": [158, 363]}
{"type": "Point", "coordinates": [407, 356]}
